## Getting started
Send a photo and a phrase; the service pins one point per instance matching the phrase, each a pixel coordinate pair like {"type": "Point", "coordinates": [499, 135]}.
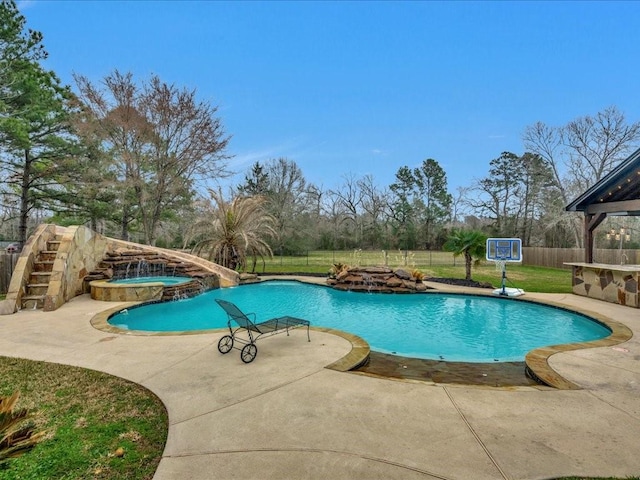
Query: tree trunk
{"type": "Point", "coordinates": [467, 265]}
{"type": "Point", "coordinates": [24, 199]}
{"type": "Point", "coordinates": [124, 235]}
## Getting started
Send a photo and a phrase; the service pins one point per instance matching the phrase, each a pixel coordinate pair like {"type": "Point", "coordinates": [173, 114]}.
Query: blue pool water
{"type": "Point", "coordinates": [165, 280]}
{"type": "Point", "coordinates": [433, 326]}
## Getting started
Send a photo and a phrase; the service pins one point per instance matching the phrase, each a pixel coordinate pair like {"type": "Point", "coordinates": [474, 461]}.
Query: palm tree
{"type": "Point", "coordinates": [470, 243]}
{"type": "Point", "coordinates": [237, 230]}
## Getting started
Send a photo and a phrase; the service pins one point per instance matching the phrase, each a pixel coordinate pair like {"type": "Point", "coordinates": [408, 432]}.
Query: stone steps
{"type": "Point", "coordinates": [32, 302]}
{"type": "Point", "coordinates": [43, 266]}
{"type": "Point", "coordinates": [40, 276]}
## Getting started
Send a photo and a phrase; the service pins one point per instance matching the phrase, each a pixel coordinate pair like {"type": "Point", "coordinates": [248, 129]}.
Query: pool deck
{"type": "Point", "coordinates": [286, 416]}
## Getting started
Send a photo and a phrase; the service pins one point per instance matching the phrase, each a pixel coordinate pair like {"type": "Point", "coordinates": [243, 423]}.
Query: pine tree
{"type": "Point", "coordinates": [37, 144]}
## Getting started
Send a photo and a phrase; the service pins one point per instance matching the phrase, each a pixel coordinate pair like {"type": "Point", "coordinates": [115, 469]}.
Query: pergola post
{"type": "Point", "coordinates": [591, 222]}
{"type": "Point", "coordinates": [588, 241]}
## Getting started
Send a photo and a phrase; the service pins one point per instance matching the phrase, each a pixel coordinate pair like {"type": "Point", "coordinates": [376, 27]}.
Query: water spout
{"type": "Point", "coordinates": [142, 270]}
{"type": "Point", "coordinates": [367, 280]}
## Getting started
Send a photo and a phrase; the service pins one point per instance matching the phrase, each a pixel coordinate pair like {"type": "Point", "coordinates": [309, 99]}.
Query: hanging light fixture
{"type": "Point", "coordinates": [621, 236]}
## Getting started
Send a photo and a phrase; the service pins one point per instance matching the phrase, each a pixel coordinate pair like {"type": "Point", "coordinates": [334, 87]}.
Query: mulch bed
{"type": "Point", "coordinates": [460, 282]}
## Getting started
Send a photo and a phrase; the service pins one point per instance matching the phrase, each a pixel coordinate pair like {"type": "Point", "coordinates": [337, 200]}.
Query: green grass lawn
{"type": "Point", "coordinates": [432, 264]}
{"type": "Point", "coordinates": [87, 417]}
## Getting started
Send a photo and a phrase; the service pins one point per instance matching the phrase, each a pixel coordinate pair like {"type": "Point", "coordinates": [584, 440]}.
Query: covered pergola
{"type": "Point", "coordinates": [618, 194]}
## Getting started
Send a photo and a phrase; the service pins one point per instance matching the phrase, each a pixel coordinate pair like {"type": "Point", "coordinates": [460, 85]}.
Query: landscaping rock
{"type": "Point", "coordinates": [377, 270]}
{"type": "Point", "coordinates": [402, 274]}
{"type": "Point", "coordinates": [394, 282]}
{"type": "Point", "coordinates": [376, 280]}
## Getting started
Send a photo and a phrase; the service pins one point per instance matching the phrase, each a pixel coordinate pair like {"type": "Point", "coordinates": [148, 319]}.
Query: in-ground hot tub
{"type": "Point", "coordinates": [165, 280]}
{"type": "Point", "coordinates": [142, 289]}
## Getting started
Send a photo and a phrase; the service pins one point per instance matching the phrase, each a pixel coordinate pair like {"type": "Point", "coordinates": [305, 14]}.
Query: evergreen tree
{"type": "Point", "coordinates": [37, 144]}
{"type": "Point", "coordinates": [402, 208]}
{"type": "Point", "coordinates": [431, 182]}
{"type": "Point", "coordinates": [256, 182]}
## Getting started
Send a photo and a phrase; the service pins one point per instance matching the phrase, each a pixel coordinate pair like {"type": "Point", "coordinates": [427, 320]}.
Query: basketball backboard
{"type": "Point", "coordinates": [504, 249]}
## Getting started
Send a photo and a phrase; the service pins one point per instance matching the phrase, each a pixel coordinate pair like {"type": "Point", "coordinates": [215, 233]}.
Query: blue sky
{"type": "Point", "coordinates": [363, 87]}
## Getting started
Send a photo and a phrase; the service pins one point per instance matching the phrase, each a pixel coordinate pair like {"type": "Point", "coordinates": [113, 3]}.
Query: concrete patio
{"type": "Point", "coordinates": [287, 416]}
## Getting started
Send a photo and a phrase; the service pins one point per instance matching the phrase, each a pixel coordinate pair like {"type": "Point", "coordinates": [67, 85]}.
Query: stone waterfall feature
{"type": "Point", "coordinates": [132, 263]}
{"type": "Point", "coordinates": [376, 280]}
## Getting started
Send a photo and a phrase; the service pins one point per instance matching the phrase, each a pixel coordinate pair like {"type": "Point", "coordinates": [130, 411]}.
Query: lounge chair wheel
{"type": "Point", "coordinates": [248, 353]}
{"type": "Point", "coordinates": [225, 344]}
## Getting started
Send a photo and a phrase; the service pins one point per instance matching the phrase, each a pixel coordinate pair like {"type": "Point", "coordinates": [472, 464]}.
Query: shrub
{"type": "Point", "coordinates": [16, 436]}
{"type": "Point", "coordinates": [336, 269]}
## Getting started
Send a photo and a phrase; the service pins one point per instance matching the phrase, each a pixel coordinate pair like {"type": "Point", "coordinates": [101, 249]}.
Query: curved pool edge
{"type": "Point", "coordinates": [356, 357]}
{"type": "Point", "coordinates": [537, 361]}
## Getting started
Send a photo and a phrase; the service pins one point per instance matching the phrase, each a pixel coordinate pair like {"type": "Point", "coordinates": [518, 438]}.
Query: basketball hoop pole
{"type": "Point", "coordinates": [504, 279]}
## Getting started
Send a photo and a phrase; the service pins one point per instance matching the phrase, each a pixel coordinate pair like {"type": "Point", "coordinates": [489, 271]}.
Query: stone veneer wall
{"type": "Point", "coordinates": [376, 279]}
{"type": "Point", "coordinates": [611, 285]}
{"type": "Point", "coordinates": [80, 251]}
{"type": "Point", "coordinates": [111, 292]}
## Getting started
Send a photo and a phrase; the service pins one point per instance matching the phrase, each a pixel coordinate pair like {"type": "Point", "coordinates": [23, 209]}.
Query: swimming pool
{"type": "Point", "coordinates": [449, 327]}
{"type": "Point", "coordinates": [164, 280]}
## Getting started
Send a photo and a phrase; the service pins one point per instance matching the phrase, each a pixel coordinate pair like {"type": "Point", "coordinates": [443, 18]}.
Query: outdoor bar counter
{"type": "Point", "coordinates": [611, 283]}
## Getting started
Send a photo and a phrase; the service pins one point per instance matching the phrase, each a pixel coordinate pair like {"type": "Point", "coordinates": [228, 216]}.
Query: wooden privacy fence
{"type": "Point", "coordinates": [7, 265]}
{"type": "Point", "coordinates": [556, 257]}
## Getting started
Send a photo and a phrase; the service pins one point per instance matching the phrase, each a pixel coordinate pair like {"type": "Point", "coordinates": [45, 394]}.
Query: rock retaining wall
{"type": "Point", "coordinates": [132, 263]}
{"type": "Point", "coordinates": [376, 280]}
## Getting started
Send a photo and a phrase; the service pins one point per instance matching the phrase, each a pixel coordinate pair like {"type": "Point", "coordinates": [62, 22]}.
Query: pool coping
{"type": "Point", "coordinates": [357, 356]}
{"type": "Point", "coordinates": [536, 361]}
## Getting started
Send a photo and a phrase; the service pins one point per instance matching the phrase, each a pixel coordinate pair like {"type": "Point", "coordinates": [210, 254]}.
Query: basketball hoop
{"type": "Point", "coordinates": [501, 265]}
{"type": "Point", "coordinates": [502, 251]}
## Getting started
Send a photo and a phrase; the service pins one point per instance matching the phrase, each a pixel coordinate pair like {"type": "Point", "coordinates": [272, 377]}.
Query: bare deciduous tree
{"type": "Point", "coordinates": [350, 197]}
{"type": "Point", "coordinates": [579, 154]}
{"type": "Point", "coordinates": [161, 141]}
{"type": "Point", "coordinates": [289, 201]}
{"type": "Point", "coordinates": [374, 206]}
{"type": "Point", "coordinates": [596, 144]}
